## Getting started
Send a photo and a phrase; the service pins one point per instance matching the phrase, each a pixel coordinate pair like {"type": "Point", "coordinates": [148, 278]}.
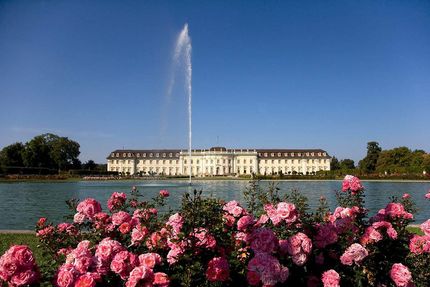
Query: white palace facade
{"type": "Point", "coordinates": [218, 161]}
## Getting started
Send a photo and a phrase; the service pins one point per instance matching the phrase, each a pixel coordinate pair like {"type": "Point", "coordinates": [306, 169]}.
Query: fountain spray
{"type": "Point", "coordinates": [183, 49]}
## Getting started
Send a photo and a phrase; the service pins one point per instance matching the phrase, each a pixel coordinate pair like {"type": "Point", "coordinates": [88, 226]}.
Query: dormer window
{"type": "Point", "coordinates": [279, 154]}
{"type": "Point", "coordinates": [144, 155]}
{"type": "Point", "coordinates": [272, 154]}
{"type": "Point", "coordinates": [138, 154]}
{"type": "Point", "coordinates": [265, 154]}
{"type": "Point", "coordinates": [150, 155]}
{"type": "Point", "coordinates": [117, 154]}
{"type": "Point", "coordinates": [170, 154]}
{"type": "Point", "coordinates": [324, 154]}
{"type": "Point", "coordinates": [157, 155]}
{"type": "Point", "coordinates": [307, 154]}
{"type": "Point", "coordinates": [124, 155]}
{"type": "Point", "coordinates": [113, 154]}
{"type": "Point", "coordinates": [292, 154]}
{"type": "Point", "coordinates": [177, 154]}
{"type": "Point", "coordinates": [285, 154]}
{"type": "Point", "coordinates": [312, 154]}
{"type": "Point", "coordinates": [319, 154]}
{"type": "Point", "coordinates": [129, 154]}
{"type": "Point", "coordinates": [164, 154]}
{"type": "Point", "coordinates": [299, 154]}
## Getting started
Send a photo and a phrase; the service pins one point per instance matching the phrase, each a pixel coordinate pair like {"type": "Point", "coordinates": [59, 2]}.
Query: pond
{"type": "Point", "coordinates": [21, 204]}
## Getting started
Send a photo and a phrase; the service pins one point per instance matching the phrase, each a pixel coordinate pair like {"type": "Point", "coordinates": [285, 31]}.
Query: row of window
{"type": "Point", "coordinates": [124, 154]}
{"type": "Point", "coordinates": [299, 154]}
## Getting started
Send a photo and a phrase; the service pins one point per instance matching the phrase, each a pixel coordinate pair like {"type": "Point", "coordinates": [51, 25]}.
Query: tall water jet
{"type": "Point", "coordinates": [183, 51]}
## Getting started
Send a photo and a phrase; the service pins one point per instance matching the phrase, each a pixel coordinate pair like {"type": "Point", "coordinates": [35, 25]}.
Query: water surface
{"type": "Point", "coordinates": [21, 204]}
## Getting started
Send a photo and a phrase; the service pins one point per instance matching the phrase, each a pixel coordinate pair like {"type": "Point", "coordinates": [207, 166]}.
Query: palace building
{"type": "Point", "coordinates": [218, 161]}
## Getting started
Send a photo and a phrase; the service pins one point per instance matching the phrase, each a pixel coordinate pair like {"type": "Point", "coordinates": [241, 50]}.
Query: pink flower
{"type": "Point", "coordinates": [299, 243]}
{"type": "Point", "coordinates": [419, 244]}
{"type": "Point", "coordinates": [331, 278]}
{"type": "Point", "coordinates": [79, 218]}
{"type": "Point", "coordinates": [218, 270]}
{"type": "Point", "coordinates": [85, 280]}
{"type": "Point", "coordinates": [164, 193]}
{"type": "Point", "coordinates": [233, 208]}
{"type": "Point", "coordinates": [326, 235]}
{"type": "Point", "coordinates": [205, 239]}
{"type": "Point", "coordinates": [161, 279]}
{"type": "Point", "coordinates": [89, 207]}
{"type": "Point", "coordinates": [175, 252]}
{"type": "Point", "coordinates": [124, 228]}
{"type": "Point", "coordinates": [299, 246]}
{"type": "Point", "coordinates": [427, 195]}
{"type": "Point", "coordinates": [116, 200]}
{"type": "Point", "coordinates": [18, 267]}
{"type": "Point", "coordinates": [406, 196]}
{"type": "Point", "coordinates": [371, 235]}
{"type": "Point", "coordinates": [397, 210]}
{"type": "Point", "coordinates": [140, 276]}
{"type": "Point", "coordinates": [122, 263]}
{"type": "Point", "coordinates": [355, 253]}
{"type": "Point", "coordinates": [263, 240]}
{"type": "Point", "coordinates": [245, 222]}
{"type": "Point", "coordinates": [400, 274]}
{"type": "Point", "coordinates": [45, 232]}
{"type": "Point", "coordinates": [41, 222]}
{"type": "Point", "coordinates": [175, 221]}
{"type": "Point", "coordinates": [272, 214]}
{"type": "Point", "coordinates": [287, 212]}
{"type": "Point", "coordinates": [351, 183]}
{"type": "Point", "coordinates": [425, 227]}
{"type": "Point", "coordinates": [266, 269]}
{"type": "Point", "coordinates": [65, 276]}
{"type": "Point", "coordinates": [149, 260]}
{"type": "Point", "coordinates": [120, 217]}
{"type": "Point", "coordinates": [138, 234]}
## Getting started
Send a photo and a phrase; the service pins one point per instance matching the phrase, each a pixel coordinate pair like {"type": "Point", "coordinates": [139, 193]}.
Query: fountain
{"type": "Point", "coordinates": [183, 52]}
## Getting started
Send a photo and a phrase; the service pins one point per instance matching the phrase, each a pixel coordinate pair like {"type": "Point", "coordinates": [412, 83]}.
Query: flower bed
{"type": "Point", "coordinates": [274, 241]}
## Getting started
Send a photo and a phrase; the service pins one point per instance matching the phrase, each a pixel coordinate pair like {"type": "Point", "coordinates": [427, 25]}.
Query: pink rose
{"type": "Point", "coordinates": [117, 200]}
{"type": "Point", "coordinates": [120, 217]}
{"type": "Point", "coordinates": [425, 227]}
{"type": "Point", "coordinates": [26, 277]}
{"type": "Point", "coordinates": [287, 212]}
{"type": "Point", "coordinates": [85, 280]}
{"type": "Point", "coordinates": [161, 279]}
{"type": "Point", "coordinates": [245, 222]}
{"type": "Point", "coordinates": [355, 253]}
{"type": "Point", "coordinates": [149, 260]}
{"type": "Point", "coordinates": [218, 270]}
{"type": "Point", "coordinates": [138, 234]}
{"type": "Point", "coordinates": [140, 276]}
{"type": "Point", "coordinates": [351, 183]}
{"type": "Point", "coordinates": [400, 274]}
{"type": "Point", "coordinates": [331, 278]}
{"type": "Point", "coordinates": [89, 207]}
{"type": "Point", "coordinates": [164, 193]}
{"type": "Point", "coordinates": [263, 240]}
{"type": "Point", "coordinates": [175, 221]}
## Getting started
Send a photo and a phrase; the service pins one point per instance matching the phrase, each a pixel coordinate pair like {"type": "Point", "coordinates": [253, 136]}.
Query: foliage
{"type": "Point", "coordinates": [276, 241]}
{"type": "Point", "coordinates": [368, 164]}
{"type": "Point", "coordinates": [46, 151]}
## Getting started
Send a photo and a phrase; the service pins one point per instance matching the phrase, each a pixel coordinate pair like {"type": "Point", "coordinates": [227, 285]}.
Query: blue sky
{"type": "Point", "coordinates": [274, 74]}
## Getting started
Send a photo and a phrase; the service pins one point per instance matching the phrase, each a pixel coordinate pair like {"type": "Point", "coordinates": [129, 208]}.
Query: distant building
{"type": "Point", "coordinates": [218, 161]}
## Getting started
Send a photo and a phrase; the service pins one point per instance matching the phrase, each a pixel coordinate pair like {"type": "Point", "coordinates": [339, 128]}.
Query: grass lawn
{"type": "Point", "coordinates": [9, 239]}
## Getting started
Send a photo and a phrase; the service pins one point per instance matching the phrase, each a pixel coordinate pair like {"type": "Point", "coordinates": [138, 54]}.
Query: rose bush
{"type": "Point", "coordinates": [273, 240]}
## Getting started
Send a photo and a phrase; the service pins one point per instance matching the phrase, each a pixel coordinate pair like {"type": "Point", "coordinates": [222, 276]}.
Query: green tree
{"type": "Point", "coordinates": [36, 152]}
{"type": "Point", "coordinates": [63, 152]}
{"type": "Point", "coordinates": [51, 151]}
{"type": "Point", "coordinates": [11, 155]}
{"type": "Point", "coordinates": [368, 164]}
{"type": "Point", "coordinates": [401, 160]}
{"type": "Point", "coordinates": [347, 164]}
{"type": "Point", "coordinates": [89, 165]}
{"type": "Point", "coordinates": [334, 164]}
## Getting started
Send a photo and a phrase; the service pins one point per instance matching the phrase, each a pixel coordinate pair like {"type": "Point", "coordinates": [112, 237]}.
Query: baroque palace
{"type": "Point", "coordinates": [218, 161]}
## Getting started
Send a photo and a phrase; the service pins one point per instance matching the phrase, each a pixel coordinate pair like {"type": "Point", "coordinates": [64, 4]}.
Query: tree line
{"type": "Point", "coordinates": [399, 160]}
{"type": "Point", "coordinates": [44, 153]}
